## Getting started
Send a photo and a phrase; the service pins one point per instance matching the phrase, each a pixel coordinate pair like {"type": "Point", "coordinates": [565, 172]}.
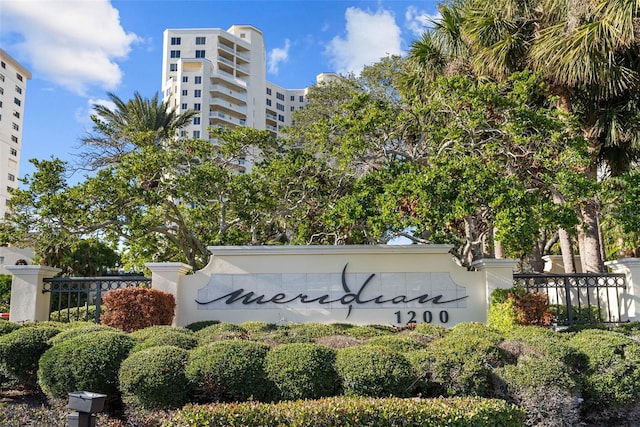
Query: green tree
{"type": "Point", "coordinates": [589, 54]}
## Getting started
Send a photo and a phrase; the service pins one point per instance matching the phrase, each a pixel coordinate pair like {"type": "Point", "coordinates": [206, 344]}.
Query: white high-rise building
{"type": "Point", "coordinates": [13, 88]}
{"type": "Point", "coordinates": [222, 74]}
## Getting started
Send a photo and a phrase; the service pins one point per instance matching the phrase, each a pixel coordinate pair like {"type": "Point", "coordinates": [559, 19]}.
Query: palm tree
{"type": "Point", "coordinates": [129, 126]}
{"type": "Point", "coordinates": [589, 52]}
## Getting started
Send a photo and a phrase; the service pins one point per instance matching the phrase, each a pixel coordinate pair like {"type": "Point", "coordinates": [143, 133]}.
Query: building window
{"type": "Point", "coordinates": [183, 106]}
{"type": "Point", "coordinates": [19, 76]}
{"type": "Point", "coordinates": [17, 101]}
{"type": "Point", "coordinates": [1, 91]}
{"type": "Point", "coordinates": [185, 92]}
{"type": "Point", "coordinates": [293, 98]}
{"type": "Point", "coordinates": [269, 102]}
{"type": "Point", "coordinates": [173, 67]}
{"type": "Point", "coordinates": [199, 53]}
{"type": "Point", "coordinates": [11, 177]}
{"type": "Point", "coordinates": [15, 126]}
{"type": "Point", "coordinates": [185, 79]}
{"type": "Point", "coordinates": [13, 152]}
{"type": "Point", "coordinates": [175, 41]}
{"type": "Point", "coordinates": [269, 91]}
{"type": "Point", "coordinates": [18, 89]}
{"type": "Point", "coordinates": [14, 138]}
{"type": "Point", "coordinates": [280, 96]}
{"type": "Point", "coordinates": [293, 108]}
{"type": "Point", "coordinates": [1, 77]}
{"type": "Point", "coordinates": [183, 133]}
{"type": "Point", "coordinates": [279, 107]}
{"type": "Point", "coordinates": [197, 93]}
{"type": "Point", "coordinates": [4, 65]}
{"type": "Point", "coordinates": [196, 107]}
{"type": "Point", "coordinates": [280, 118]}
{"type": "Point", "coordinates": [198, 80]}
{"type": "Point", "coordinates": [175, 54]}
{"type": "Point", "coordinates": [200, 40]}
{"type": "Point", "coordinates": [196, 134]}
{"type": "Point", "coordinates": [301, 98]}
{"type": "Point", "coordinates": [16, 114]}
{"type": "Point", "coordinates": [196, 120]}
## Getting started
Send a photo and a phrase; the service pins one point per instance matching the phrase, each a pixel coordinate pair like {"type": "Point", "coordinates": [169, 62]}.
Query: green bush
{"type": "Point", "coordinates": [20, 351]}
{"type": "Point", "coordinates": [158, 335]}
{"type": "Point", "coordinates": [155, 330]}
{"type": "Point", "coordinates": [374, 371]}
{"type": "Point", "coordinates": [7, 327]}
{"type": "Point", "coordinates": [460, 364]}
{"type": "Point", "coordinates": [88, 361]}
{"type": "Point", "coordinates": [435, 331]}
{"type": "Point", "coordinates": [396, 343]}
{"type": "Point", "coordinates": [354, 412]}
{"type": "Point", "coordinates": [369, 331]}
{"type": "Point", "coordinates": [545, 388]}
{"type": "Point", "coordinates": [82, 328]}
{"type": "Point", "coordinates": [196, 326]}
{"type": "Point", "coordinates": [5, 292]}
{"type": "Point", "coordinates": [299, 333]}
{"type": "Point", "coordinates": [258, 330]}
{"type": "Point", "coordinates": [155, 378]}
{"type": "Point", "coordinates": [229, 371]}
{"type": "Point", "coordinates": [613, 376]}
{"type": "Point", "coordinates": [221, 331]}
{"type": "Point", "coordinates": [302, 371]}
{"type": "Point", "coordinates": [75, 314]}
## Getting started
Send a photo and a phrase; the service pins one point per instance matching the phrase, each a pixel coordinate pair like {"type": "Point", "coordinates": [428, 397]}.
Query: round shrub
{"type": "Point", "coordinates": [155, 378]}
{"type": "Point", "coordinates": [75, 314]}
{"type": "Point", "coordinates": [544, 388]}
{"type": "Point", "coordinates": [460, 364]}
{"type": "Point", "coordinates": [173, 338]}
{"type": "Point", "coordinates": [401, 344]}
{"type": "Point", "coordinates": [435, 331]}
{"type": "Point", "coordinates": [258, 329]}
{"type": "Point", "coordinates": [155, 330]}
{"type": "Point", "coordinates": [374, 371]}
{"type": "Point", "coordinates": [613, 375]}
{"type": "Point", "coordinates": [7, 327]}
{"type": "Point", "coordinates": [221, 331]}
{"type": "Point", "coordinates": [130, 309]}
{"type": "Point", "coordinates": [302, 371]}
{"type": "Point", "coordinates": [82, 329]}
{"type": "Point", "coordinates": [196, 326]}
{"type": "Point", "coordinates": [89, 361]}
{"type": "Point", "coordinates": [369, 331]}
{"type": "Point", "coordinates": [231, 370]}
{"type": "Point", "coordinates": [299, 333]}
{"type": "Point", "coordinates": [20, 351]}
{"type": "Point", "coordinates": [476, 330]}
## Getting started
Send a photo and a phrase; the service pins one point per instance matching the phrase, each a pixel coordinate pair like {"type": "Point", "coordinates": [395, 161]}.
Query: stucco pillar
{"type": "Point", "coordinates": [498, 274]}
{"type": "Point", "coordinates": [630, 267]}
{"type": "Point", "coordinates": [28, 302]}
{"type": "Point", "coordinates": [167, 277]}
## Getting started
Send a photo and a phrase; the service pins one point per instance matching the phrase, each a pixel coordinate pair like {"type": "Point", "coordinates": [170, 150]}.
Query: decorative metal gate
{"type": "Point", "coordinates": [579, 298]}
{"type": "Point", "coordinates": [75, 298]}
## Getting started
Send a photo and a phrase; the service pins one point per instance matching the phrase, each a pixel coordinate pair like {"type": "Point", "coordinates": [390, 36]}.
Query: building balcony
{"type": "Point", "coordinates": [229, 106]}
{"type": "Point", "coordinates": [218, 90]}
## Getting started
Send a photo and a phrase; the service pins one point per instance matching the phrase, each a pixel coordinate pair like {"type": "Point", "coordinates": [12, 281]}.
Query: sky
{"type": "Point", "coordinates": [78, 50]}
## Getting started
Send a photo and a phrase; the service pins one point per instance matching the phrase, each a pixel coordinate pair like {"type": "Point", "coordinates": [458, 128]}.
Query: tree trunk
{"type": "Point", "coordinates": [591, 259]}
{"type": "Point", "coordinates": [566, 246]}
{"type": "Point", "coordinates": [498, 250]}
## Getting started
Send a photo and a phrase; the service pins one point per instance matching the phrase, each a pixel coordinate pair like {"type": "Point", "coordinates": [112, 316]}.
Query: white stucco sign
{"type": "Point", "coordinates": [391, 285]}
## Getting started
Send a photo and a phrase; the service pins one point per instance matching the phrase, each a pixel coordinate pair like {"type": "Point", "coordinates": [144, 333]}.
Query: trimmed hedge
{"type": "Point", "coordinates": [20, 351]}
{"type": "Point", "coordinates": [159, 335]}
{"type": "Point", "coordinates": [302, 371]}
{"type": "Point", "coordinates": [374, 371]}
{"type": "Point", "coordinates": [82, 328]}
{"type": "Point", "coordinates": [84, 362]}
{"type": "Point", "coordinates": [221, 331]}
{"type": "Point", "coordinates": [8, 327]}
{"type": "Point", "coordinates": [155, 378]}
{"type": "Point", "coordinates": [401, 344]}
{"type": "Point", "coordinates": [354, 412]}
{"type": "Point", "coordinates": [229, 371]}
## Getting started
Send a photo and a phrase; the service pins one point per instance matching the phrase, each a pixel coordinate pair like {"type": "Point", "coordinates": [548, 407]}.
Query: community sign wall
{"type": "Point", "coordinates": [359, 284]}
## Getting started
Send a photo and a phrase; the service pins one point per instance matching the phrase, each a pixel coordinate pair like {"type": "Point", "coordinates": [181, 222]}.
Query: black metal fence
{"type": "Point", "coordinates": [79, 298]}
{"type": "Point", "coordinates": [579, 298]}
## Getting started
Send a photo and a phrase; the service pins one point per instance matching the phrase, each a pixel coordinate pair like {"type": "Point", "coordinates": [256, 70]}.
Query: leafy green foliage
{"type": "Point", "coordinates": [401, 344]}
{"type": "Point", "coordinates": [221, 331]}
{"type": "Point", "coordinates": [85, 360]}
{"type": "Point", "coordinates": [374, 371]}
{"type": "Point", "coordinates": [302, 371]}
{"type": "Point", "coordinates": [229, 371]}
{"type": "Point", "coordinates": [5, 292]}
{"type": "Point", "coordinates": [455, 412]}
{"type": "Point", "coordinates": [155, 377]}
{"type": "Point", "coordinates": [20, 351]}
{"type": "Point", "coordinates": [164, 335]}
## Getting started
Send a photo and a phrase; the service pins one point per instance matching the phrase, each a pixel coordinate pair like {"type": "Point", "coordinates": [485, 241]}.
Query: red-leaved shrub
{"type": "Point", "coordinates": [130, 309]}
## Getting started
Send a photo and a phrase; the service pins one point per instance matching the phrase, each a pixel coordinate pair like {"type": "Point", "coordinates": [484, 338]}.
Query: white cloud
{"type": "Point", "coordinates": [277, 56]}
{"type": "Point", "coordinates": [418, 21]}
{"type": "Point", "coordinates": [83, 114]}
{"type": "Point", "coordinates": [74, 44]}
{"type": "Point", "coordinates": [369, 37]}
